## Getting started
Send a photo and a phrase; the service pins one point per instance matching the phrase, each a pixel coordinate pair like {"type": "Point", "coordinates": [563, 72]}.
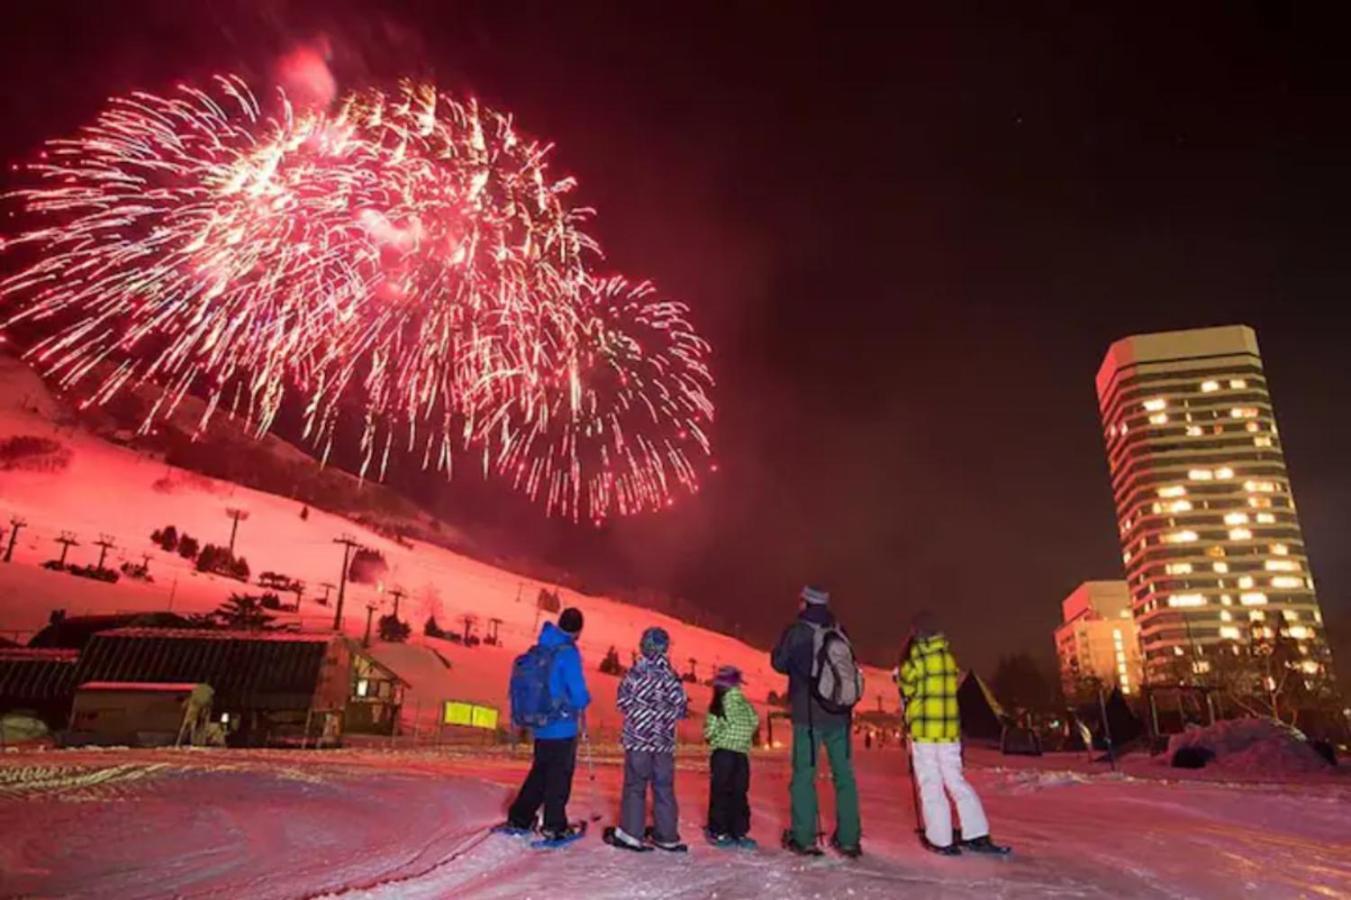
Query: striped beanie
{"type": "Point", "coordinates": [815, 596]}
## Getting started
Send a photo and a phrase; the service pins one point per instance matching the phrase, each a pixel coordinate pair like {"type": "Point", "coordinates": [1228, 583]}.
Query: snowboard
{"type": "Point", "coordinates": [545, 843]}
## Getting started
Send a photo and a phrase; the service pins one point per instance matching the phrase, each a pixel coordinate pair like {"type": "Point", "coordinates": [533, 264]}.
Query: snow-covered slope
{"type": "Point", "coordinates": [114, 491]}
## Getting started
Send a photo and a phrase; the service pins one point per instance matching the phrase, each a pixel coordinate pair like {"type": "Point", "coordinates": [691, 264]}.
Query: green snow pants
{"type": "Point", "coordinates": [802, 790]}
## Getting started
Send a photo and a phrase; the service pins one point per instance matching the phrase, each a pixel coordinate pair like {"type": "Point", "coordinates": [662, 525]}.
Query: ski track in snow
{"type": "Point", "coordinates": [368, 825]}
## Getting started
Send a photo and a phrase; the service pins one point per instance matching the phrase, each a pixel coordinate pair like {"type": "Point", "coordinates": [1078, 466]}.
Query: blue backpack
{"type": "Point", "coordinates": [533, 705]}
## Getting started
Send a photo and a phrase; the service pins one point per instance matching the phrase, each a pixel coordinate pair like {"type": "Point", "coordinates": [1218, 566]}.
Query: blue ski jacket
{"type": "Point", "coordinates": [564, 681]}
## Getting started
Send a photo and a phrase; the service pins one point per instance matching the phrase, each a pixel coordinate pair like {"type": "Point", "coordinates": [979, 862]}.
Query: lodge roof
{"type": "Point", "coordinates": [35, 676]}
{"type": "Point", "coordinates": [247, 669]}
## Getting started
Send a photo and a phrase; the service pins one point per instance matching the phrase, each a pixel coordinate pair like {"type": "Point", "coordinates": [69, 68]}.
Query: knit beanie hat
{"type": "Point", "coordinates": [815, 596]}
{"type": "Point", "coordinates": [571, 621]}
{"type": "Point", "coordinates": [925, 624]}
{"type": "Point", "coordinates": [655, 642]}
{"type": "Point", "coordinates": [727, 677]}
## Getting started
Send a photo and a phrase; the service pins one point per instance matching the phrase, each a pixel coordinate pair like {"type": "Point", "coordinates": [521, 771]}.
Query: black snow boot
{"type": "Point", "coordinates": [853, 852]}
{"type": "Point", "coordinates": [794, 847]}
{"type": "Point", "coordinates": [950, 850]}
{"type": "Point", "coordinates": [676, 846]}
{"type": "Point", "coordinates": [983, 844]}
{"type": "Point", "coordinates": [617, 837]}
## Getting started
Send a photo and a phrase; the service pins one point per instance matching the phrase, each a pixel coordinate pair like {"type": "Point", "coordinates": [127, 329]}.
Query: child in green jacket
{"type": "Point", "coordinates": [729, 729]}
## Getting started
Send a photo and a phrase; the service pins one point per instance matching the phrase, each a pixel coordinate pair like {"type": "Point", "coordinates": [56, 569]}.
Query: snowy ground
{"type": "Point", "coordinates": [363, 824]}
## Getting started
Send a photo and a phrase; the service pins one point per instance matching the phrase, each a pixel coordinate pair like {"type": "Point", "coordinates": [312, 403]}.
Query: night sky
{"type": "Point", "coordinates": [909, 239]}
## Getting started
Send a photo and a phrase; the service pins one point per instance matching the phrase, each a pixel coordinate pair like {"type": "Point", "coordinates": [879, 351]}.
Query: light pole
{"type": "Point", "coordinates": [237, 515]}
{"type": "Point", "coordinates": [348, 544]}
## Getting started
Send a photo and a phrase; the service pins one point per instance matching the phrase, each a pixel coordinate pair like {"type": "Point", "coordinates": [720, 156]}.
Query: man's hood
{"type": "Point", "coordinates": [552, 636]}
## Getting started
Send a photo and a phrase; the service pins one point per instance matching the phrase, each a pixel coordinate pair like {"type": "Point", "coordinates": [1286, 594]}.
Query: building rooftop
{"type": "Point", "coordinates": [152, 686]}
{"type": "Point", "coordinates": [1168, 346]}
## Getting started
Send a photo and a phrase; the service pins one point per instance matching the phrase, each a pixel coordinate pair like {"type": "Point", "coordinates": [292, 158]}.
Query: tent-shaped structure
{"type": "Point", "coordinates": [981, 715]}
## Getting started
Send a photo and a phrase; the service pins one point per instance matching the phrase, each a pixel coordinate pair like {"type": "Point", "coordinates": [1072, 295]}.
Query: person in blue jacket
{"type": "Point", "coordinates": [550, 780]}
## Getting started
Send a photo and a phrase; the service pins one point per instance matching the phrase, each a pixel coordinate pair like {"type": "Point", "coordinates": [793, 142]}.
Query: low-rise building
{"type": "Point", "coordinates": [1098, 641]}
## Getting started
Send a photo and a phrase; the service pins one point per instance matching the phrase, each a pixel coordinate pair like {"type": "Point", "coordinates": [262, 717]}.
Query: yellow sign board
{"type": "Point", "coordinates": [469, 715]}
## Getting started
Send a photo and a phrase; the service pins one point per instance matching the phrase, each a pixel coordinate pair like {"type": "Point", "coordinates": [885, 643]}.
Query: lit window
{"type": "Point", "coordinates": [1226, 616]}
{"type": "Point", "coordinates": [1298, 632]}
{"type": "Point", "coordinates": [1236, 518]}
{"type": "Point", "coordinates": [1172, 490]}
{"type": "Point", "coordinates": [1287, 582]}
{"type": "Point", "coordinates": [1309, 666]}
{"type": "Point", "coordinates": [1179, 537]}
{"type": "Point", "coordinates": [1200, 474]}
{"type": "Point", "coordinates": [1177, 569]}
{"type": "Point", "coordinates": [1157, 508]}
{"type": "Point", "coordinates": [1257, 615]}
{"type": "Point", "coordinates": [1261, 441]}
{"type": "Point", "coordinates": [363, 687]}
{"type": "Point", "coordinates": [1256, 598]}
{"type": "Point", "coordinates": [1245, 581]}
{"type": "Point", "coordinates": [1259, 502]}
{"type": "Point", "coordinates": [1240, 534]}
{"type": "Point", "coordinates": [1243, 412]}
{"type": "Point", "coordinates": [1266, 518]}
{"type": "Point", "coordinates": [1201, 666]}
{"type": "Point", "coordinates": [1226, 600]}
{"type": "Point", "coordinates": [1220, 567]}
{"type": "Point", "coordinates": [1208, 387]}
{"type": "Point", "coordinates": [1282, 565]}
{"type": "Point", "coordinates": [1177, 600]}
{"type": "Point", "coordinates": [1178, 506]}
{"type": "Point", "coordinates": [1265, 487]}
{"type": "Point", "coordinates": [1253, 427]}
{"type": "Point", "coordinates": [1195, 431]}
{"type": "Point", "coordinates": [1280, 549]}
{"type": "Point", "coordinates": [1155, 404]}
{"type": "Point", "coordinates": [1177, 651]}
{"type": "Point", "coordinates": [1237, 384]}
{"type": "Point", "coordinates": [1158, 419]}
{"type": "Point", "coordinates": [1215, 552]}
{"type": "Point", "coordinates": [1229, 632]}
{"type": "Point", "coordinates": [1224, 472]}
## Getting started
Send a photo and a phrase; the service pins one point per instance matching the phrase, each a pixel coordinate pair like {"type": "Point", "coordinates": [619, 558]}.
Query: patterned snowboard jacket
{"type": "Point", "coordinates": [652, 699]}
{"type": "Point", "coordinates": [928, 683]}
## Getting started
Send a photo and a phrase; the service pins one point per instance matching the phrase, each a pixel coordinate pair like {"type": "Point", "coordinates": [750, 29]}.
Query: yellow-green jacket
{"type": "Point", "coordinates": [928, 683]}
{"type": "Point", "coordinates": [735, 728]}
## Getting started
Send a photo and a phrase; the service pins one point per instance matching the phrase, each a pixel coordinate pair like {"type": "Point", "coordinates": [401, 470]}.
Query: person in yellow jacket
{"type": "Point", "coordinates": [927, 678]}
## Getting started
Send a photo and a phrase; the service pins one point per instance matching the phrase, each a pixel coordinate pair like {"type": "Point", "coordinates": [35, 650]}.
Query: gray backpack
{"type": "Point", "coordinates": [837, 681]}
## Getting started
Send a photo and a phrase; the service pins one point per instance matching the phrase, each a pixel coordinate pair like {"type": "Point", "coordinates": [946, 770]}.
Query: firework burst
{"type": "Point", "coordinates": [404, 258]}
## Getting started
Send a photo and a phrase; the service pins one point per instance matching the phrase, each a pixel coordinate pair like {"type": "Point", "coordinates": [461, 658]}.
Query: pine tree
{"type": "Point", "coordinates": [244, 612]}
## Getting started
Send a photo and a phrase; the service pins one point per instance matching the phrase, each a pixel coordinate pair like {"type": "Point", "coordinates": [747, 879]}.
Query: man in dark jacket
{"type": "Point", "coordinates": [550, 779]}
{"type": "Point", "coordinates": [813, 726]}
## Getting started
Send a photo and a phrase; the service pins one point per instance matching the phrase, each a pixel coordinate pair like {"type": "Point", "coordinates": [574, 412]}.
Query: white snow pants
{"type": "Point", "coordinates": [939, 767]}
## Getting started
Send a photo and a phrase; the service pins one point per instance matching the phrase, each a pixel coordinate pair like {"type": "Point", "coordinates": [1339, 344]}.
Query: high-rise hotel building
{"type": "Point", "coordinates": [1210, 536]}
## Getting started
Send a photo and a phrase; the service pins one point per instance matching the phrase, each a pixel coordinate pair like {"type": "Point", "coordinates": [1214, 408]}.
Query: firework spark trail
{"type": "Point", "coordinates": [404, 258]}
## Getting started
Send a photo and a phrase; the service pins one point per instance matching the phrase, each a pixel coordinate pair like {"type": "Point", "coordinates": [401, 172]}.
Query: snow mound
{"type": "Point", "coordinates": [1254, 746]}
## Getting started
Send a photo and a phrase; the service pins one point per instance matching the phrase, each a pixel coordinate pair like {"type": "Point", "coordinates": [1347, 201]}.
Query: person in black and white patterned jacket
{"type": "Point", "coordinates": [652, 699]}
